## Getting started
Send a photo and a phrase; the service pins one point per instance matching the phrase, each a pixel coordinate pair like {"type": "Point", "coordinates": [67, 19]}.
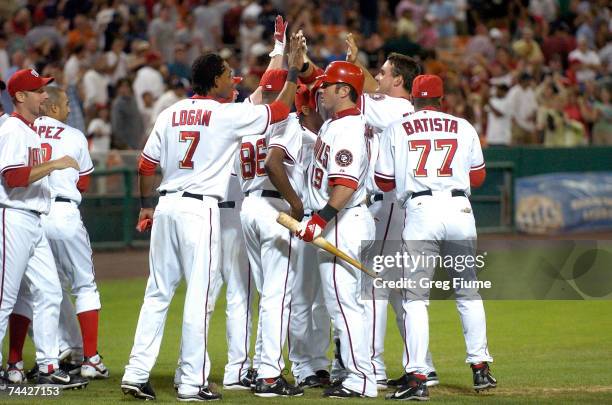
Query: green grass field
{"type": "Point", "coordinates": [545, 352]}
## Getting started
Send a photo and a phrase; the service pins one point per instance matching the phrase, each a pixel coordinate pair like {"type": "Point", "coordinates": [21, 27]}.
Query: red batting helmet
{"type": "Point", "coordinates": [344, 72]}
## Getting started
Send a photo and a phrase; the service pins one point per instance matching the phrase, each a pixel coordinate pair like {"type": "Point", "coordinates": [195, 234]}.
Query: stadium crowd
{"type": "Point", "coordinates": [522, 71]}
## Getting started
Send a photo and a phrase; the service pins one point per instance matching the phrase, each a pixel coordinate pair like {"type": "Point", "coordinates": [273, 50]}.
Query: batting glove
{"type": "Point", "coordinates": [280, 28]}
{"type": "Point", "coordinates": [308, 231]}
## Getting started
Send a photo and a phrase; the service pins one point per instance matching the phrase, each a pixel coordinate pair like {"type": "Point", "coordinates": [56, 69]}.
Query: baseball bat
{"type": "Point", "coordinates": [292, 224]}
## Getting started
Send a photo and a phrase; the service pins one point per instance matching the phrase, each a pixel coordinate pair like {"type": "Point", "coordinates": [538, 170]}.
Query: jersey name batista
{"type": "Point", "coordinates": [431, 124]}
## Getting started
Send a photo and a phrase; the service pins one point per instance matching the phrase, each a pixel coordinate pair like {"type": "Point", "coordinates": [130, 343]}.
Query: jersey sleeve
{"type": "Point", "coordinates": [384, 167]}
{"type": "Point", "coordinates": [152, 149]}
{"type": "Point", "coordinates": [287, 136]}
{"type": "Point", "coordinates": [380, 111]}
{"type": "Point", "coordinates": [476, 157]}
{"type": "Point", "coordinates": [85, 164]}
{"type": "Point", "coordinates": [347, 153]}
{"type": "Point", "coordinates": [13, 152]}
{"type": "Point", "coordinates": [248, 119]}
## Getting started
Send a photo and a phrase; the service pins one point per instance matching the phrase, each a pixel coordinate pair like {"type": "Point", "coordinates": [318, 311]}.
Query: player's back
{"type": "Point", "coordinates": [249, 164]}
{"type": "Point", "coordinates": [57, 140]}
{"type": "Point", "coordinates": [195, 141]}
{"type": "Point", "coordinates": [434, 151]}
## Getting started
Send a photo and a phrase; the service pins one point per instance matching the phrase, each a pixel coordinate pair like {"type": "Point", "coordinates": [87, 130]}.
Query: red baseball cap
{"type": "Point", "coordinates": [427, 86]}
{"type": "Point", "coordinates": [26, 80]}
{"type": "Point", "coordinates": [273, 80]}
{"type": "Point", "coordinates": [303, 97]}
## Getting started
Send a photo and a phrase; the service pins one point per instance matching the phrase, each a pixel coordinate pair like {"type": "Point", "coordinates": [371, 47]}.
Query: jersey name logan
{"type": "Point", "coordinates": [191, 117]}
{"type": "Point", "coordinates": [430, 124]}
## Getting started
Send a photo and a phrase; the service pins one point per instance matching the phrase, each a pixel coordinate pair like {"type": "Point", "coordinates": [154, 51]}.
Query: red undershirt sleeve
{"type": "Point", "coordinates": [146, 167]}
{"type": "Point", "coordinates": [18, 177]}
{"type": "Point", "coordinates": [278, 111]}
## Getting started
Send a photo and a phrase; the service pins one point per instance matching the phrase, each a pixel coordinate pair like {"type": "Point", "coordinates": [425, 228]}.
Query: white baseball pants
{"type": "Point", "coordinates": [184, 243]}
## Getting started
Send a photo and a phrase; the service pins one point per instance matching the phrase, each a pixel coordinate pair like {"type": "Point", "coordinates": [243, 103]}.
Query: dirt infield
{"type": "Point", "coordinates": [121, 263]}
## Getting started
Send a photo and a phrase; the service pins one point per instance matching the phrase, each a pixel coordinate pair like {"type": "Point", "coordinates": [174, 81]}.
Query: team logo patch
{"type": "Point", "coordinates": [34, 73]}
{"type": "Point", "coordinates": [344, 157]}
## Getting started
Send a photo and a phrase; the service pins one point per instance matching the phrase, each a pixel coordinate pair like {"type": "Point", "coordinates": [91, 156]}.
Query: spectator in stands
{"type": "Point", "coordinates": [543, 10]}
{"type": "Point", "coordinates": [587, 60]}
{"type": "Point", "coordinates": [528, 50]}
{"type": "Point", "coordinates": [117, 61]}
{"type": "Point", "coordinates": [146, 111]}
{"type": "Point", "coordinates": [176, 91]}
{"type": "Point", "coordinates": [161, 34]}
{"type": "Point", "coordinates": [99, 132]}
{"type": "Point", "coordinates": [149, 78]}
{"type": "Point", "coordinates": [125, 119]}
{"type": "Point", "coordinates": [76, 65]}
{"type": "Point", "coordinates": [81, 32]}
{"type": "Point", "coordinates": [559, 43]}
{"type": "Point", "coordinates": [180, 67]}
{"type": "Point", "coordinates": [443, 12]}
{"type": "Point", "coordinates": [250, 34]}
{"type": "Point", "coordinates": [480, 44]}
{"type": "Point", "coordinates": [4, 58]}
{"type": "Point", "coordinates": [602, 128]}
{"type": "Point", "coordinates": [523, 107]}
{"type": "Point", "coordinates": [95, 86]}
{"type": "Point", "coordinates": [499, 118]}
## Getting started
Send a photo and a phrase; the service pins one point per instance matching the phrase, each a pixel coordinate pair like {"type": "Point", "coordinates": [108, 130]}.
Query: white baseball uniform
{"type": "Point", "coordinates": [341, 158]}
{"type": "Point", "coordinates": [379, 111]}
{"type": "Point", "coordinates": [27, 261]}
{"type": "Point", "coordinates": [64, 227]}
{"type": "Point", "coordinates": [270, 246]}
{"type": "Point", "coordinates": [194, 141]}
{"type": "Point", "coordinates": [240, 291]}
{"type": "Point", "coordinates": [431, 152]}
{"type": "Point", "coordinates": [308, 338]}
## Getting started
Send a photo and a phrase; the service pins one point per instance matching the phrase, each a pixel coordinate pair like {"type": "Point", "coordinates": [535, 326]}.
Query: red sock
{"type": "Point", "coordinates": [18, 330]}
{"type": "Point", "coordinates": [89, 329]}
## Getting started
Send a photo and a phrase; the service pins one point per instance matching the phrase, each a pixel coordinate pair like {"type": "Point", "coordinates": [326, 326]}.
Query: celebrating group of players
{"type": "Point", "coordinates": [362, 158]}
{"type": "Point", "coordinates": [229, 168]}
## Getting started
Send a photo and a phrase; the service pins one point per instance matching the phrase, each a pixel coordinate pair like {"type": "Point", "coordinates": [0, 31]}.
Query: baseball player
{"type": "Point", "coordinates": [432, 159]}
{"type": "Point", "coordinates": [388, 102]}
{"type": "Point", "coordinates": [289, 153]}
{"type": "Point", "coordinates": [336, 187]}
{"type": "Point", "coordinates": [269, 247]}
{"type": "Point", "coordinates": [67, 237]}
{"type": "Point", "coordinates": [24, 195]}
{"type": "Point", "coordinates": [194, 142]}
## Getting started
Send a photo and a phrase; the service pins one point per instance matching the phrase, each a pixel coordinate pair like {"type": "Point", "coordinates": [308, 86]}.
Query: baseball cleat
{"type": "Point", "coordinates": [312, 381]}
{"type": "Point", "coordinates": [205, 394]}
{"type": "Point", "coordinates": [93, 368]}
{"type": "Point", "coordinates": [276, 387]}
{"type": "Point", "coordinates": [252, 376]}
{"type": "Point", "coordinates": [60, 378]}
{"type": "Point", "coordinates": [138, 390]}
{"type": "Point", "coordinates": [3, 380]}
{"type": "Point", "coordinates": [70, 367]}
{"type": "Point", "coordinates": [65, 354]}
{"type": "Point", "coordinates": [483, 379]}
{"type": "Point", "coordinates": [414, 390]}
{"type": "Point", "coordinates": [382, 384]}
{"type": "Point", "coordinates": [15, 373]}
{"type": "Point", "coordinates": [432, 379]}
{"type": "Point", "coordinates": [324, 377]}
{"type": "Point", "coordinates": [242, 385]}
{"type": "Point", "coordinates": [398, 382]}
{"type": "Point", "coordinates": [341, 391]}
{"type": "Point", "coordinates": [32, 374]}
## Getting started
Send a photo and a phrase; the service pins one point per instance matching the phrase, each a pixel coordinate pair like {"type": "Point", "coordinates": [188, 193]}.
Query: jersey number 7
{"type": "Point", "coordinates": [424, 145]}
{"type": "Point", "coordinates": [193, 137]}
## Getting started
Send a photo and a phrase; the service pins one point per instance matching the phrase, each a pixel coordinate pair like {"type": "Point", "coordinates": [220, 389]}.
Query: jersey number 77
{"type": "Point", "coordinates": [424, 146]}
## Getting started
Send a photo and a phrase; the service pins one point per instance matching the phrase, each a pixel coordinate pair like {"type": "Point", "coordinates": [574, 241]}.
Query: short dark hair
{"type": "Point", "coordinates": [406, 67]}
{"type": "Point", "coordinates": [204, 71]}
{"type": "Point", "coordinates": [352, 94]}
{"type": "Point", "coordinates": [420, 103]}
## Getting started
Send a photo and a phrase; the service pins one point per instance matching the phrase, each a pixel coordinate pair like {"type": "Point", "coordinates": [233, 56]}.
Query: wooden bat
{"type": "Point", "coordinates": [292, 224]}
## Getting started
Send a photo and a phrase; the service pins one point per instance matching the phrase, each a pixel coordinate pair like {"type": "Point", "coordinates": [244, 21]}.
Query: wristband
{"type": "Point", "coordinates": [305, 67]}
{"type": "Point", "coordinates": [292, 76]}
{"type": "Point", "coordinates": [328, 213]}
{"type": "Point", "coordinates": [147, 202]}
